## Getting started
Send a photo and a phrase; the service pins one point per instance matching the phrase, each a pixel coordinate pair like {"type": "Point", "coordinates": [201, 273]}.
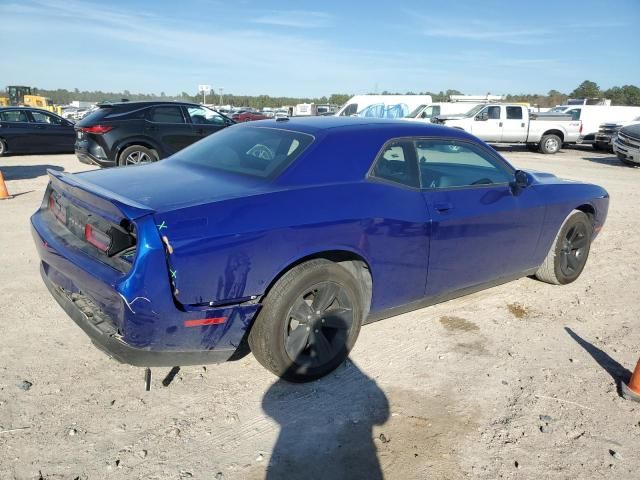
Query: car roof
{"type": "Point", "coordinates": [386, 127]}
{"type": "Point", "coordinates": [145, 103]}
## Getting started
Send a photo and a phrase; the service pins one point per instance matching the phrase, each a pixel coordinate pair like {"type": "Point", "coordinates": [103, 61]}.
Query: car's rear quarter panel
{"type": "Point", "coordinates": [236, 248]}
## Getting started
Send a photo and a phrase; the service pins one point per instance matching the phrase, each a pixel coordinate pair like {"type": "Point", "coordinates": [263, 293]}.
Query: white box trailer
{"type": "Point", "coordinates": [383, 106]}
{"type": "Point", "coordinates": [592, 116]}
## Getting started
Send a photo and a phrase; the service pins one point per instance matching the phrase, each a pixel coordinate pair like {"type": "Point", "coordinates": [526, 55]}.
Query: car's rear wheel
{"type": "Point", "coordinates": [137, 155]}
{"type": "Point", "coordinates": [568, 254]}
{"type": "Point", "coordinates": [309, 321]}
{"type": "Point", "coordinates": [550, 143]}
{"type": "Point", "coordinates": [3, 147]}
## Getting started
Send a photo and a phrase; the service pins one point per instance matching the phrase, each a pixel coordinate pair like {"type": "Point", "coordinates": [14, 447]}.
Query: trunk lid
{"type": "Point", "coordinates": [167, 185]}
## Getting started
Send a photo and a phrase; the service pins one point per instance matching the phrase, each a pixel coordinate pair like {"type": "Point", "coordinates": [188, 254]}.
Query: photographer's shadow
{"type": "Point", "coordinates": [326, 427]}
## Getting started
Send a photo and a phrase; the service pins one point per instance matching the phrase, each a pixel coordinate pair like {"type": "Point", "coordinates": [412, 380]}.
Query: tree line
{"type": "Point", "coordinates": [624, 95]}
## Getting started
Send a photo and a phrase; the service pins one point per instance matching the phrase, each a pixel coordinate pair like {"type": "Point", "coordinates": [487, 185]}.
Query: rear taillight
{"type": "Point", "coordinates": [58, 210]}
{"type": "Point", "coordinates": [580, 128]}
{"type": "Point", "coordinates": [98, 129]}
{"type": "Point", "coordinates": [97, 238]}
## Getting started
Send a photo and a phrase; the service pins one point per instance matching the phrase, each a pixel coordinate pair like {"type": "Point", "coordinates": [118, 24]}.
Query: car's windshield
{"type": "Point", "coordinates": [415, 112]}
{"type": "Point", "coordinates": [474, 110]}
{"type": "Point", "coordinates": [255, 151]}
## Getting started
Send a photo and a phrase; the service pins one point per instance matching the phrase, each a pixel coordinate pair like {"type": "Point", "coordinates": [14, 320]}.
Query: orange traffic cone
{"type": "Point", "coordinates": [631, 391]}
{"type": "Point", "coordinates": [4, 194]}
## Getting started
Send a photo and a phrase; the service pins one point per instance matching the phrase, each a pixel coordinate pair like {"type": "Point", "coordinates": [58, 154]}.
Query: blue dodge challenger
{"type": "Point", "coordinates": [290, 234]}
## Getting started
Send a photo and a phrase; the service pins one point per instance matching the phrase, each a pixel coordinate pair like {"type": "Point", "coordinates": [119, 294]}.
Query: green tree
{"type": "Point", "coordinates": [586, 89]}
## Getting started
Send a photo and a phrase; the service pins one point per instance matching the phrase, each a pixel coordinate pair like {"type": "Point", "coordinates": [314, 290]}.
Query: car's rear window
{"type": "Point", "coordinates": [255, 151]}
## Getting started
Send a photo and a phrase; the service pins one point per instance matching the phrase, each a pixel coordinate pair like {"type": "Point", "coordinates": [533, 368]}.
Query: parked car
{"type": "Point", "coordinates": [626, 145]}
{"type": "Point", "coordinates": [297, 232]}
{"type": "Point", "coordinates": [131, 133]}
{"type": "Point", "coordinates": [607, 133]}
{"type": "Point", "coordinates": [248, 116]}
{"type": "Point", "coordinates": [512, 123]}
{"type": "Point", "coordinates": [31, 130]}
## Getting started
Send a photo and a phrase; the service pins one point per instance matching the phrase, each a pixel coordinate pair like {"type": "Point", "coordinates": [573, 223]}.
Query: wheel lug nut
{"type": "Point", "coordinates": [316, 330]}
{"type": "Point", "coordinates": [323, 320]}
{"type": "Point", "coordinates": [308, 328]}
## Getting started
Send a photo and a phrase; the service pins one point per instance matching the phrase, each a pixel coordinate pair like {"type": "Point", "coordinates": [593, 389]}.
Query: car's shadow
{"type": "Point", "coordinates": [610, 160]}
{"type": "Point", "coordinates": [326, 427]}
{"type": "Point", "coordinates": [22, 172]}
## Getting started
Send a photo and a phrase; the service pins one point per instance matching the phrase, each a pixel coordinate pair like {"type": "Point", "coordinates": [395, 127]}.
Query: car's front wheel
{"type": "Point", "coordinates": [3, 147]}
{"type": "Point", "coordinates": [137, 155]}
{"type": "Point", "coordinates": [309, 321]}
{"type": "Point", "coordinates": [568, 254]}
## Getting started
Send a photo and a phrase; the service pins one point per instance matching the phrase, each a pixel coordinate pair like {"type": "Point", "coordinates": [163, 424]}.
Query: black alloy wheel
{"type": "Point", "coordinates": [318, 325]}
{"type": "Point", "coordinates": [574, 247]}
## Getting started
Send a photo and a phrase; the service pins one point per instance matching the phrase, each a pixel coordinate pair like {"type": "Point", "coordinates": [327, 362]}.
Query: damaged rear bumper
{"type": "Point", "coordinates": [105, 336]}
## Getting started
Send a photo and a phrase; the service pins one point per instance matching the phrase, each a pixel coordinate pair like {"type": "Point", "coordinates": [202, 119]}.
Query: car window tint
{"type": "Point", "coordinates": [41, 117]}
{"type": "Point", "coordinates": [396, 164]}
{"type": "Point", "coordinates": [494, 112]}
{"type": "Point", "coordinates": [514, 113]}
{"type": "Point", "coordinates": [199, 115]}
{"type": "Point", "coordinates": [449, 163]}
{"type": "Point", "coordinates": [254, 151]}
{"type": "Point", "coordinates": [14, 116]}
{"type": "Point", "coordinates": [167, 115]}
{"type": "Point", "coordinates": [575, 113]}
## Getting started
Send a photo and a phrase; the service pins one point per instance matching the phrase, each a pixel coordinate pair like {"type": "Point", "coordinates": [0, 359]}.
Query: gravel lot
{"type": "Point", "coordinates": [518, 381]}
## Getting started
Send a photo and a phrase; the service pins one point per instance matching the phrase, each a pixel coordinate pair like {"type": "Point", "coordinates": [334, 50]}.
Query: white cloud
{"type": "Point", "coordinates": [295, 18]}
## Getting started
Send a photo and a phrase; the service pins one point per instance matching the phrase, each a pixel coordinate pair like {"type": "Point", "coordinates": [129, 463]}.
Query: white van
{"type": "Point", "coordinates": [425, 113]}
{"type": "Point", "coordinates": [592, 116]}
{"type": "Point", "coordinates": [383, 106]}
{"type": "Point", "coordinates": [305, 110]}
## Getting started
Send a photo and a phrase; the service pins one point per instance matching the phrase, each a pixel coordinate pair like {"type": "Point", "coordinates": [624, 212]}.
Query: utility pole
{"type": "Point", "coordinates": [221, 90]}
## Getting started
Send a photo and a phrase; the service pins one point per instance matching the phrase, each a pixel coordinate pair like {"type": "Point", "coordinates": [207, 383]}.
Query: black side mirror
{"type": "Point", "coordinates": [483, 117]}
{"type": "Point", "coordinates": [520, 181]}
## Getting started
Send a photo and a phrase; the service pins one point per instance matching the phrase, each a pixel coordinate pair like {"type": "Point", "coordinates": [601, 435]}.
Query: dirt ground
{"type": "Point", "coordinates": [518, 381]}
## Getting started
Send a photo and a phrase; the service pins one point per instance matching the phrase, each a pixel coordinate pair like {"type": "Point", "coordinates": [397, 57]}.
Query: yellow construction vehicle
{"type": "Point", "coordinates": [19, 95]}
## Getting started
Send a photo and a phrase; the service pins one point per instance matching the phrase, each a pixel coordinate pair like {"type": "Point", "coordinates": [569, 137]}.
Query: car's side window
{"type": "Point", "coordinates": [514, 113]}
{"type": "Point", "coordinates": [41, 117]}
{"type": "Point", "coordinates": [167, 115]}
{"type": "Point", "coordinates": [494, 112]}
{"type": "Point", "coordinates": [396, 163]}
{"type": "Point", "coordinates": [452, 163]}
{"type": "Point", "coordinates": [17, 116]}
{"type": "Point", "coordinates": [202, 116]}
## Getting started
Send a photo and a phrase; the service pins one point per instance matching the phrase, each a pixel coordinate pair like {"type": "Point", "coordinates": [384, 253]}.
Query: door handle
{"type": "Point", "coordinates": [500, 124]}
{"type": "Point", "coordinates": [443, 207]}
{"type": "Point", "coordinates": [522, 124]}
{"type": "Point", "coordinates": [41, 127]}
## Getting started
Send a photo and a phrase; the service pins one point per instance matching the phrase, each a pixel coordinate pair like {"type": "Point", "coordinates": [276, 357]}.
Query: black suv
{"type": "Point", "coordinates": [131, 133]}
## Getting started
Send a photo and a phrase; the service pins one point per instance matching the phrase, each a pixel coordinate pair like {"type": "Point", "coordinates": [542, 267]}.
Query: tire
{"type": "Point", "coordinates": [324, 340]}
{"type": "Point", "coordinates": [569, 252]}
{"type": "Point", "coordinates": [3, 148]}
{"type": "Point", "coordinates": [550, 144]}
{"type": "Point", "coordinates": [136, 155]}
{"type": "Point", "coordinates": [532, 147]}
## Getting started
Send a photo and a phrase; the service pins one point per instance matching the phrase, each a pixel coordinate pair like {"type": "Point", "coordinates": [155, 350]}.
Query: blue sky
{"type": "Point", "coordinates": [304, 48]}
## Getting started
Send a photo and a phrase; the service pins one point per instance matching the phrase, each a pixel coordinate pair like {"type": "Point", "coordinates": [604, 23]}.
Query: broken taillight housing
{"type": "Point", "coordinates": [97, 238]}
{"type": "Point", "coordinates": [58, 210]}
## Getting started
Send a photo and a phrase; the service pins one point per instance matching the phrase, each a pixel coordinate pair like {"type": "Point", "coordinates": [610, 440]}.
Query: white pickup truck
{"type": "Point", "coordinates": [504, 123]}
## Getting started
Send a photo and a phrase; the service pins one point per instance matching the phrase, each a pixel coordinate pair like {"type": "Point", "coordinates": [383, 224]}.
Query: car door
{"type": "Point", "coordinates": [168, 128]}
{"type": "Point", "coordinates": [514, 126]}
{"type": "Point", "coordinates": [481, 230]}
{"type": "Point", "coordinates": [204, 121]}
{"type": "Point", "coordinates": [55, 133]}
{"type": "Point", "coordinates": [487, 124]}
{"type": "Point", "coordinates": [17, 130]}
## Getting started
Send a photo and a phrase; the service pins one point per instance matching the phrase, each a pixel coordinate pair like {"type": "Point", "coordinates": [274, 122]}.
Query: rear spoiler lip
{"type": "Point", "coordinates": [111, 203]}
